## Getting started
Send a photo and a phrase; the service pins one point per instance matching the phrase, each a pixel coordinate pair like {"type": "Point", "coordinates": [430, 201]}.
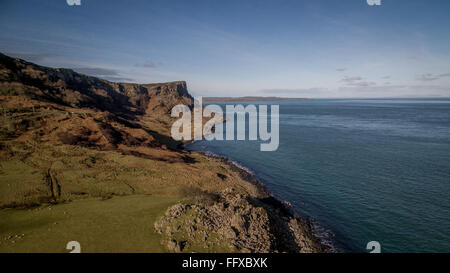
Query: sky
{"type": "Point", "coordinates": [310, 48]}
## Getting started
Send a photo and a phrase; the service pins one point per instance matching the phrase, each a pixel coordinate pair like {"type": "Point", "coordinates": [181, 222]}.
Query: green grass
{"type": "Point", "coordinates": [105, 200]}
{"type": "Point", "coordinates": [119, 224]}
{"type": "Point", "coordinates": [21, 184]}
{"type": "Point", "coordinates": [82, 173]}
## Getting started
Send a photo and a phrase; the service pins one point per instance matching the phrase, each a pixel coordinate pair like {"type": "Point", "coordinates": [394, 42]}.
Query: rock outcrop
{"type": "Point", "coordinates": [237, 223]}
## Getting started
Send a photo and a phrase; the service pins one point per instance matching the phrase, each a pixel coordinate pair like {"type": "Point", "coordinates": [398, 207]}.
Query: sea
{"type": "Point", "coordinates": [362, 170]}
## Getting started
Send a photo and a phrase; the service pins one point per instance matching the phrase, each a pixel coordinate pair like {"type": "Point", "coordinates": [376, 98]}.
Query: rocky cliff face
{"type": "Point", "coordinates": [61, 105]}
{"type": "Point", "coordinates": [69, 88]}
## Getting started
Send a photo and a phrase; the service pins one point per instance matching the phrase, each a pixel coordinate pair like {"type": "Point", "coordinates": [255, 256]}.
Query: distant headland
{"type": "Point", "coordinates": [248, 98]}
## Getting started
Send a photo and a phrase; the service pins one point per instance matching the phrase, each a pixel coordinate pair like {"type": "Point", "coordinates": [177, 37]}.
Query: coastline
{"type": "Point", "coordinates": [78, 153]}
{"type": "Point", "coordinates": [320, 237]}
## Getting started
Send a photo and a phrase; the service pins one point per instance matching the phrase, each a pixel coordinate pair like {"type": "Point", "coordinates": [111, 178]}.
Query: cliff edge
{"type": "Point", "coordinates": [87, 159]}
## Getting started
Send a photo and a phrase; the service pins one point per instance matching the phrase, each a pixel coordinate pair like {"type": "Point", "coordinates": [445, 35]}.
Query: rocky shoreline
{"type": "Point", "coordinates": [252, 222]}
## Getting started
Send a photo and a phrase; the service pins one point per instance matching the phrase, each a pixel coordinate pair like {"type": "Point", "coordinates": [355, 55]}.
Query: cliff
{"type": "Point", "coordinates": [69, 88]}
{"type": "Point", "coordinates": [86, 159]}
{"type": "Point", "coordinates": [85, 110]}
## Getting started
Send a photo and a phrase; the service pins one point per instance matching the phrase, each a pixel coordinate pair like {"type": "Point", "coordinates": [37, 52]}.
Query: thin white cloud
{"type": "Point", "coordinates": [357, 81]}
{"type": "Point", "coordinates": [148, 64]}
{"type": "Point", "coordinates": [432, 77]}
{"type": "Point", "coordinates": [96, 71]}
{"type": "Point", "coordinates": [30, 57]}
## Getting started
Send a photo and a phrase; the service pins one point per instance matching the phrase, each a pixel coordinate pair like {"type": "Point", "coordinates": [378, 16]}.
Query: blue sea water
{"type": "Point", "coordinates": [364, 169]}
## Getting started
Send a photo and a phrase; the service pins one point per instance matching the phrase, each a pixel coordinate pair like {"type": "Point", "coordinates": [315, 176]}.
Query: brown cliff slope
{"type": "Point", "coordinates": [62, 106]}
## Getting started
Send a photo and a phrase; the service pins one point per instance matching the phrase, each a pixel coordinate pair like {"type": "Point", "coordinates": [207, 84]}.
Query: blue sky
{"type": "Point", "coordinates": [312, 48]}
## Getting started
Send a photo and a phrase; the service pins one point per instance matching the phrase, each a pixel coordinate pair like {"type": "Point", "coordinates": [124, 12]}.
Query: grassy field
{"type": "Point", "coordinates": [106, 200]}
{"type": "Point", "coordinates": [31, 175]}
{"type": "Point", "coordinates": [119, 224]}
